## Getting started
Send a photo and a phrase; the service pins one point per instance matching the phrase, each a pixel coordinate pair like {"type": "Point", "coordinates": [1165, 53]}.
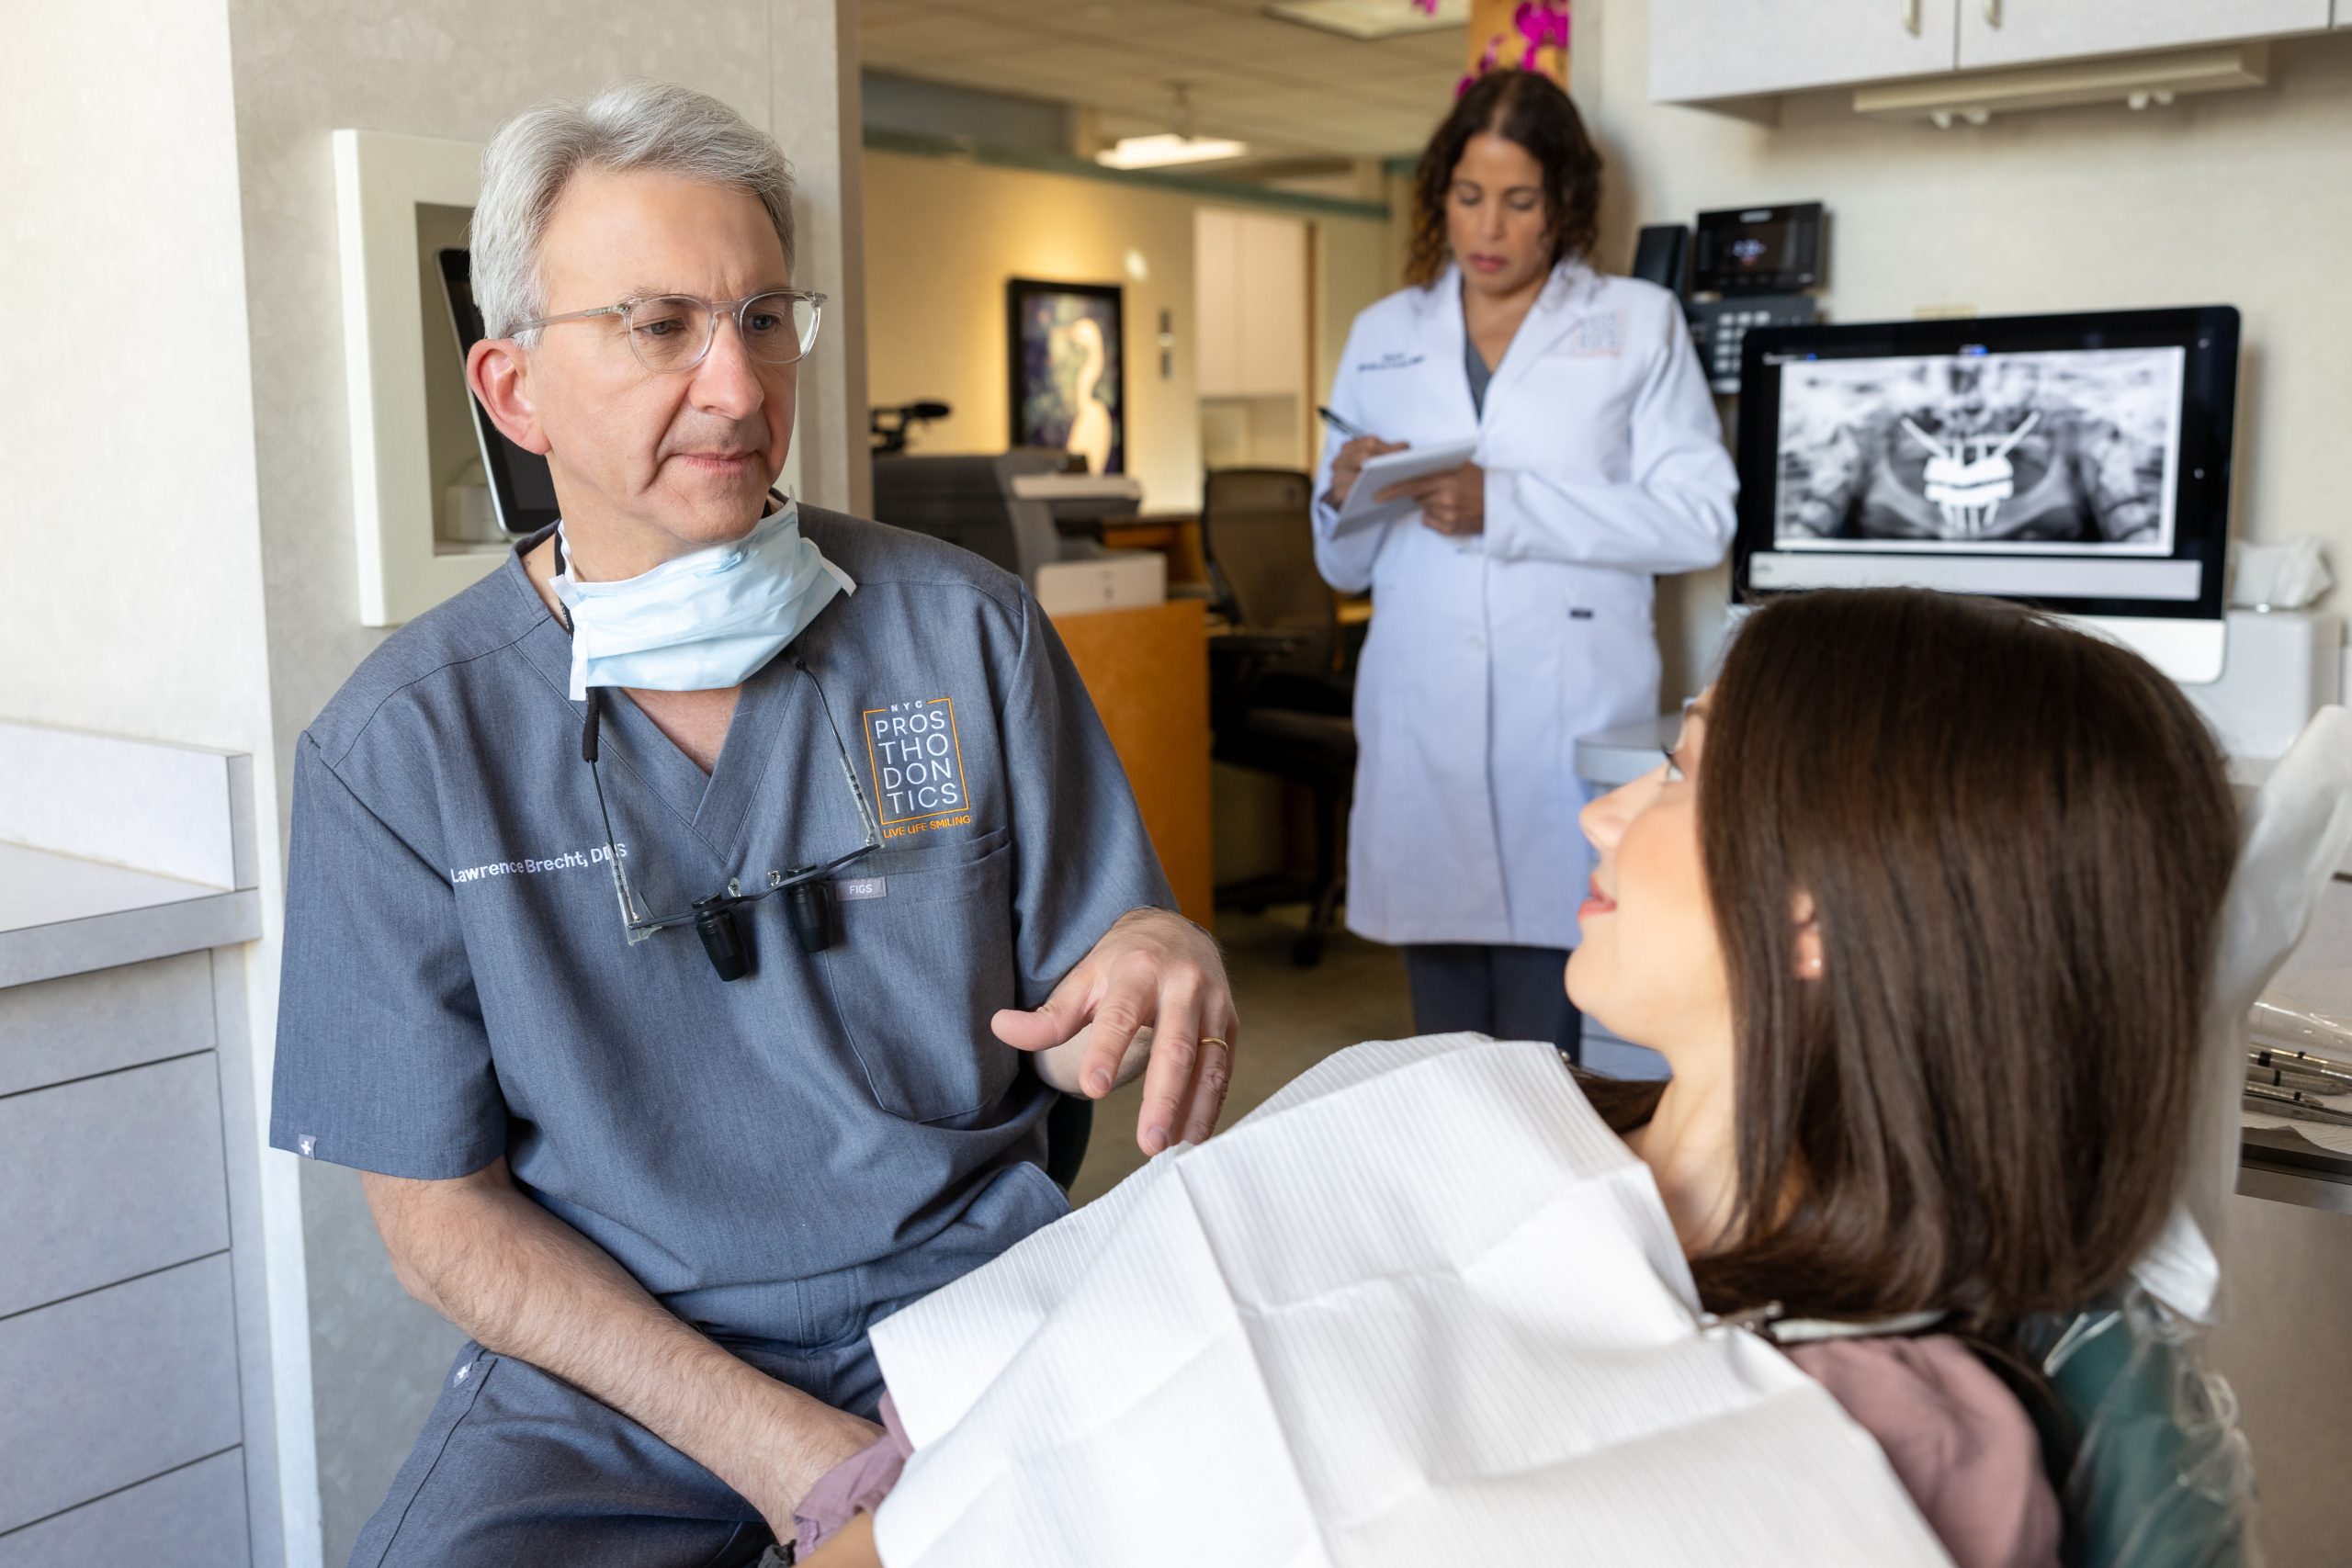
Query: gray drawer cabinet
{"type": "Point", "coordinates": [199, 1509]}
{"type": "Point", "coordinates": [131, 1179]}
{"type": "Point", "coordinates": [120, 1416]}
{"type": "Point", "coordinates": [77, 1027]}
{"type": "Point", "coordinates": [116, 1387]}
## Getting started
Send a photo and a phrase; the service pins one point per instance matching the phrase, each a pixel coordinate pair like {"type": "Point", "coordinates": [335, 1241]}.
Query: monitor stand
{"type": "Point", "coordinates": [2191, 652]}
{"type": "Point", "coordinates": [2267, 673]}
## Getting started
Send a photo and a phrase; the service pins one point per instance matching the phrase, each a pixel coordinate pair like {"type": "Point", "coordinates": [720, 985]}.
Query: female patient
{"type": "Point", "coordinates": [1919, 910]}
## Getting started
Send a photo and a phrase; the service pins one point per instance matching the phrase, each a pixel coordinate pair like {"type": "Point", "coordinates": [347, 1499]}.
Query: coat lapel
{"type": "Point", "coordinates": [1565, 302]}
{"type": "Point", "coordinates": [1440, 340]}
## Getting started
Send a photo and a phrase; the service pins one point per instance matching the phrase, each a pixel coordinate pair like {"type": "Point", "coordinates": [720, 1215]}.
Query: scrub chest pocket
{"type": "Point", "coordinates": [925, 961]}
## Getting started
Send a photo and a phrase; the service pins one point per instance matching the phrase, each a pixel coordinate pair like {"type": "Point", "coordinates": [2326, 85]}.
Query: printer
{"type": "Point", "coordinates": [1028, 511]}
{"type": "Point", "coordinates": [1020, 509]}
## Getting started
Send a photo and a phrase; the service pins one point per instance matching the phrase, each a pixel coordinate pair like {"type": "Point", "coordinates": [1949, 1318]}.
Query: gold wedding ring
{"type": "Point", "coordinates": [1216, 1040]}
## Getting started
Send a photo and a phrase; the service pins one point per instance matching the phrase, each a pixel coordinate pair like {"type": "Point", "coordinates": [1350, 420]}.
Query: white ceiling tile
{"type": "Point", "coordinates": [1248, 76]}
{"type": "Point", "coordinates": [942, 34]}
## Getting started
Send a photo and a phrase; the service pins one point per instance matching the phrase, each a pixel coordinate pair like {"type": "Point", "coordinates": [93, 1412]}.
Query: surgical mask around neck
{"type": "Point", "coordinates": [701, 621]}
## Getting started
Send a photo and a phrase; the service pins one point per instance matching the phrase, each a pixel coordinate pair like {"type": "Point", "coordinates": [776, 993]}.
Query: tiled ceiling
{"type": "Point", "coordinates": [1285, 89]}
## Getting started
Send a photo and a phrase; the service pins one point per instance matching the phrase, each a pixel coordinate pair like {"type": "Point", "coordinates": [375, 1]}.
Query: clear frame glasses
{"type": "Point", "coordinates": [674, 331]}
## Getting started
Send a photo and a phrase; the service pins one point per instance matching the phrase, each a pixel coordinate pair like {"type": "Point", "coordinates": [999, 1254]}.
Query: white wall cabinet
{"type": "Point", "coordinates": [1250, 278]}
{"type": "Point", "coordinates": [2026, 33]}
{"type": "Point", "coordinates": [1216, 285]}
{"type": "Point", "coordinates": [1730, 48]}
{"type": "Point", "coordinates": [1713, 50]}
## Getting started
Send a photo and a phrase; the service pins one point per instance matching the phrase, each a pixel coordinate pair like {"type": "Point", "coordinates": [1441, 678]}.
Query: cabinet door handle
{"type": "Point", "coordinates": [1911, 16]}
{"type": "Point", "coordinates": [1992, 13]}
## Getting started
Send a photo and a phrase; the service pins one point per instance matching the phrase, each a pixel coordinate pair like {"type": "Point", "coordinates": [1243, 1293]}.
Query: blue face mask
{"type": "Point", "coordinates": [703, 622]}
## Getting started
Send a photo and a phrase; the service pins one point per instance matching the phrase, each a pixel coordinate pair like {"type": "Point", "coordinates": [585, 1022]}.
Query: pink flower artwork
{"type": "Point", "coordinates": [1542, 23]}
{"type": "Point", "coordinates": [1539, 23]}
{"type": "Point", "coordinates": [1485, 64]}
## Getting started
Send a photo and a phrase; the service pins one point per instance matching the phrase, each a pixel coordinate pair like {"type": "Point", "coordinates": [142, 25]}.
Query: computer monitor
{"type": "Point", "coordinates": [520, 486]}
{"type": "Point", "coordinates": [2079, 463]}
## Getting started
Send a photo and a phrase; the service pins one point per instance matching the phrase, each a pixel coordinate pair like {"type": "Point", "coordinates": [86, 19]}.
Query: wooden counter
{"type": "Point", "coordinates": [1147, 670]}
{"type": "Point", "coordinates": [1174, 534]}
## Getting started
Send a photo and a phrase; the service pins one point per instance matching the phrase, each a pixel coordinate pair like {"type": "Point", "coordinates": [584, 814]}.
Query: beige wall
{"type": "Point", "coordinates": [131, 598]}
{"type": "Point", "coordinates": [943, 237]}
{"type": "Point", "coordinates": [2242, 198]}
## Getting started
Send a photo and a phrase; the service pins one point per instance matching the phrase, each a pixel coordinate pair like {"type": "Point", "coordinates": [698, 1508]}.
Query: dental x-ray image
{"type": "Point", "coordinates": [2066, 451]}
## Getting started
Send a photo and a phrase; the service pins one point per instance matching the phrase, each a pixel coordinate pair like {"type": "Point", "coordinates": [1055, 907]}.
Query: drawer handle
{"type": "Point", "coordinates": [1992, 13]}
{"type": "Point", "coordinates": [1911, 17]}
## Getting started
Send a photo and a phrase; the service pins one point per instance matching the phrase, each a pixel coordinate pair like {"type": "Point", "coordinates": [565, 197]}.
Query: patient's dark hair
{"type": "Point", "coordinates": [2017, 838]}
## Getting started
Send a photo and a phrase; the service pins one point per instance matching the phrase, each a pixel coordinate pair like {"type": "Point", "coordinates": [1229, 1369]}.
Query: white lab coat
{"type": "Point", "coordinates": [1489, 655]}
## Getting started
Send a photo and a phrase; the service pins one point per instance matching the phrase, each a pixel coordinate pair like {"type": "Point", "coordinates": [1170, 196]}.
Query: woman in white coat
{"type": "Point", "coordinates": [1512, 609]}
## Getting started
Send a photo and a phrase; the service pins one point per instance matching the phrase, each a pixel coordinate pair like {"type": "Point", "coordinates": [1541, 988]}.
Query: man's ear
{"type": "Point", "coordinates": [1807, 926]}
{"type": "Point", "coordinates": [499, 377]}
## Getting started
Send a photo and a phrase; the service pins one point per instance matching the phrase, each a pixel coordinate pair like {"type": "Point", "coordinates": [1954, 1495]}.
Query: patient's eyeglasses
{"type": "Point", "coordinates": [674, 331]}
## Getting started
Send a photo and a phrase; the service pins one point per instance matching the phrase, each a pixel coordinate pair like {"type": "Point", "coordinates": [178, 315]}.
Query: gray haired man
{"type": "Point", "coordinates": [667, 1183]}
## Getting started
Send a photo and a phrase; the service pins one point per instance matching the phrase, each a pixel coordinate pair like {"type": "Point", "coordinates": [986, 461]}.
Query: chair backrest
{"type": "Point", "coordinates": [1069, 1127]}
{"type": "Point", "coordinates": [1257, 532]}
{"type": "Point", "coordinates": [2158, 1474]}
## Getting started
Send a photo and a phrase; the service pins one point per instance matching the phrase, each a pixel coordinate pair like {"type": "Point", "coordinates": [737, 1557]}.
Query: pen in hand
{"type": "Point", "coordinates": [1343, 427]}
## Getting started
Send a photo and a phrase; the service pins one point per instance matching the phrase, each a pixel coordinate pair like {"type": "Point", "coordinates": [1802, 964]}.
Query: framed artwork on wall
{"type": "Point", "coordinates": [1065, 344]}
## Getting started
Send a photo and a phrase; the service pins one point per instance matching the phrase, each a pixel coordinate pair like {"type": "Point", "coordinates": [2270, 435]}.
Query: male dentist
{"type": "Point", "coordinates": [663, 909]}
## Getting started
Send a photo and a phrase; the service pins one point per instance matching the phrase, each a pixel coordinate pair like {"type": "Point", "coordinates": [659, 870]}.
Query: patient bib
{"type": "Point", "coordinates": [1423, 1307]}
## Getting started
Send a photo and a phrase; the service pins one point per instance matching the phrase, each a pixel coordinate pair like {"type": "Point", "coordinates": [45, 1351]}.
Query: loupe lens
{"type": "Point", "coordinates": [811, 904]}
{"type": "Point", "coordinates": [723, 938]}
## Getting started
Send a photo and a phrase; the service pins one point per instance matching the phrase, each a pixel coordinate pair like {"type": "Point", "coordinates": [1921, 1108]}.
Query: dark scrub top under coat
{"type": "Point", "coordinates": [1474, 365]}
{"type": "Point", "coordinates": [776, 1157]}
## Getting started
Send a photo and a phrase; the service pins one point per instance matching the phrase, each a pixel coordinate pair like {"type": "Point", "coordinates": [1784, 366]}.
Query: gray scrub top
{"type": "Point", "coordinates": [773, 1157]}
{"type": "Point", "coordinates": [1474, 365]}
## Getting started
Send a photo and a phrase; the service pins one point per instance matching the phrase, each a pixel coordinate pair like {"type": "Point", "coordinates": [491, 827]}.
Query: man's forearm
{"type": "Point", "coordinates": [524, 1283]}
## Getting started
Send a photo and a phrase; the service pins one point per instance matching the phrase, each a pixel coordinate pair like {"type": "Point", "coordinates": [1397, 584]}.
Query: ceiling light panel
{"type": "Point", "coordinates": [1168, 149]}
{"type": "Point", "coordinates": [1372, 19]}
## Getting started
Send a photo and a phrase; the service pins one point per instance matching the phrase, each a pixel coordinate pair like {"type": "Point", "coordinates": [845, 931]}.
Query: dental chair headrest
{"type": "Point", "coordinates": [2295, 830]}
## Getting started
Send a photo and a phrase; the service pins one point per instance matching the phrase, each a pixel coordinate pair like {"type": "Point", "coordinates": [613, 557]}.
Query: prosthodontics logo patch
{"type": "Point", "coordinates": [917, 763]}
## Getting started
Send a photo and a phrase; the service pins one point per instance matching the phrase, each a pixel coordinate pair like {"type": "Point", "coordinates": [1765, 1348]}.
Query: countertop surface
{"type": "Point", "coordinates": [62, 915]}
{"type": "Point", "coordinates": [40, 888]}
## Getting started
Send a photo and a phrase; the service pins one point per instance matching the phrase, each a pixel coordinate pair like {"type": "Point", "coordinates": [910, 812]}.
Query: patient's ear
{"type": "Point", "coordinates": [1807, 929]}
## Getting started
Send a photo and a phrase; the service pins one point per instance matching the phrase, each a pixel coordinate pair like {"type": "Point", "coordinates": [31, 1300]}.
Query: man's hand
{"type": "Point", "coordinates": [1453, 503]}
{"type": "Point", "coordinates": [1154, 988]}
{"type": "Point", "coordinates": [792, 1452]}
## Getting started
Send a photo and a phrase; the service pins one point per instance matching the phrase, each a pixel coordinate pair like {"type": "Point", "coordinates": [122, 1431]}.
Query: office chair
{"type": "Point", "coordinates": [1279, 697]}
{"type": "Point", "coordinates": [2143, 1444]}
{"type": "Point", "coordinates": [1069, 1127]}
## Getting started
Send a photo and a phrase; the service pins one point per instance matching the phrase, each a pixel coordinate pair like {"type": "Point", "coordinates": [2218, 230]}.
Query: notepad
{"type": "Point", "coordinates": [1420, 1307]}
{"type": "Point", "coordinates": [1362, 510]}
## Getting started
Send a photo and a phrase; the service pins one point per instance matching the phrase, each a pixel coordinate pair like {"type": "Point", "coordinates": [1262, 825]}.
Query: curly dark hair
{"type": "Point", "coordinates": [1535, 111]}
